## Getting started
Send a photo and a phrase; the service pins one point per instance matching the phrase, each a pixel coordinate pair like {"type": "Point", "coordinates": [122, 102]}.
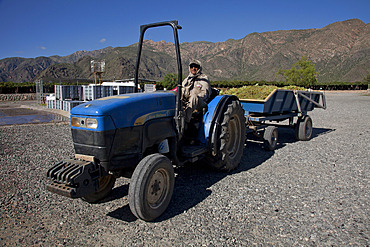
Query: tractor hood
{"type": "Point", "coordinates": [130, 110]}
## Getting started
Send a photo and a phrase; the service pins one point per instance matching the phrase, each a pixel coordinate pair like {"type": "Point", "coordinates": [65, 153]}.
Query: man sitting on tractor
{"type": "Point", "coordinates": [196, 90]}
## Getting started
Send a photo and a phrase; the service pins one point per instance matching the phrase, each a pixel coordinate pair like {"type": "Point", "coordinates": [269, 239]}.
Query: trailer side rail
{"type": "Point", "coordinates": [299, 93]}
{"type": "Point", "coordinates": [279, 117]}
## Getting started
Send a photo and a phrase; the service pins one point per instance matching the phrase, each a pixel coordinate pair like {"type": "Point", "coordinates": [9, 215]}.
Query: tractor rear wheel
{"type": "Point", "coordinates": [151, 187]}
{"type": "Point", "coordinates": [231, 139]}
{"type": "Point", "coordinates": [106, 185]}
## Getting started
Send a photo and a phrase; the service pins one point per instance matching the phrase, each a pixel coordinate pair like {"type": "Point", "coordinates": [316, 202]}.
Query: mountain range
{"type": "Point", "coordinates": [340, 52]}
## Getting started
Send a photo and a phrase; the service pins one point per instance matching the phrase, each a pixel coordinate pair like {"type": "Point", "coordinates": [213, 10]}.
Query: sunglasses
{"type": "Point", "coordinates": [193, 65]}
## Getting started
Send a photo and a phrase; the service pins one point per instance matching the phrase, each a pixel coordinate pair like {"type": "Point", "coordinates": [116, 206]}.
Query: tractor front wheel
{"type": "Point", "coordinates": [151, 187]}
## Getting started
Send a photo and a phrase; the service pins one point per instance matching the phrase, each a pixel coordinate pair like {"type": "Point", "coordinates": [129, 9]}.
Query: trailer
{"type": "Point", "coordinates": [263, 117]}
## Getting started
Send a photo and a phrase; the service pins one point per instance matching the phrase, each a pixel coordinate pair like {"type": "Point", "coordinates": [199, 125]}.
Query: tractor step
{"type": "Point", "coordinates": [73, 178]}
{"type": "Point", "coordinates": [191, 151]}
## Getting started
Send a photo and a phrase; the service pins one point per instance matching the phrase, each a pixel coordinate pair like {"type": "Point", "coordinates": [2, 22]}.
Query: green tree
{"type": "Point", "coordinates": [367, 78]}
{"type": "Point", "coordinates": [303, 73]}
{"type": "Point", "coordinates": [169, 81]}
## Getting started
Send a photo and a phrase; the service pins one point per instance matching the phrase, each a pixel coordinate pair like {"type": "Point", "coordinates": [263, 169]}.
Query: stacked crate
{"type": "Point", "coordinates": [69, 104]}
{"type": "Point", "coordinates": [69, 96]}
{"type": "Point", "coordinates": [125, 89]}
{"type": "Point", "coordinates": [92, 92]}
{"type": "Point", "coordinates": [71, 92]}
{"type": "Point", "coordinates": [65, 105]}
{"type": "Point", "coordinates": [50, 104]}
{"type": "Point", "coordinates": [66, 97]}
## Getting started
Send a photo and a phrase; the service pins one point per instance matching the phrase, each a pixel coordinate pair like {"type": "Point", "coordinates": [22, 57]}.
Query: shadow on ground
{"type": "Point", "coordinates": [193, 181]}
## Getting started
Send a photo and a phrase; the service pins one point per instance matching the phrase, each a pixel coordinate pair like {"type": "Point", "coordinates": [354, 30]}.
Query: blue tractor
{"type": "Point", "coordinates": [142, 136]}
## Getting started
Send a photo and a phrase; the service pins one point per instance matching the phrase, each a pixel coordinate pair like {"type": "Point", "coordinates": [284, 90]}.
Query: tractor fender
{"type": "Point", "coordinates": [213, 117]}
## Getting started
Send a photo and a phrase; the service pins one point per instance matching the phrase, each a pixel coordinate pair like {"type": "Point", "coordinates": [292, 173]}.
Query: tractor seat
{"type": "Point", "coordinates": [214, 93]}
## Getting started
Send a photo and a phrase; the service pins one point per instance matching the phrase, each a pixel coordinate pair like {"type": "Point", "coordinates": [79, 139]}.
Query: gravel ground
{"type": "Point", "coordinates": [304, 193]}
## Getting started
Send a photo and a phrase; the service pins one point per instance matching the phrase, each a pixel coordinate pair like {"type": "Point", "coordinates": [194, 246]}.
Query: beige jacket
{"type": "Point", "coordinates": [196, 85]}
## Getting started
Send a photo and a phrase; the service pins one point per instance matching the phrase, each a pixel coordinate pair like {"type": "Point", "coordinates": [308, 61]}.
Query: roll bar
{"type": "Point", "coordinates": [179, 116]}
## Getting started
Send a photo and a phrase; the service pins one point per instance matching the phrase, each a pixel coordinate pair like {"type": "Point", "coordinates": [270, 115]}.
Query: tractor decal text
{"type": "Point", "coordinates": [153, 115]}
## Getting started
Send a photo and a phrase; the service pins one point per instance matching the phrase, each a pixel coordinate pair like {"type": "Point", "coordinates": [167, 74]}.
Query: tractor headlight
{"type": "Point", "coordinates": [76, 122]}
{"type": "Point", "coordinates": [90, 123]}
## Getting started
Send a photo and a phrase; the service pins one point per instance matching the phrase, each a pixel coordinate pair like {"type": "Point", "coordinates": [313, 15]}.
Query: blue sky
{"type": "Point", "coordinates": [32, 28]}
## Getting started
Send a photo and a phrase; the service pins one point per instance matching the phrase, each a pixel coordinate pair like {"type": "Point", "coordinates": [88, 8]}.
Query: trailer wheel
{"type": "Point", "coordinates": [151, 187]}
{"type": "Point", "coordinates": [270, 137]}
{"type": "Point", "coordinates": [106, 185]}
{"type": "Point", "coordinates": [231, 139]}
{"type": "Point", "coordinates": [304, 128]}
